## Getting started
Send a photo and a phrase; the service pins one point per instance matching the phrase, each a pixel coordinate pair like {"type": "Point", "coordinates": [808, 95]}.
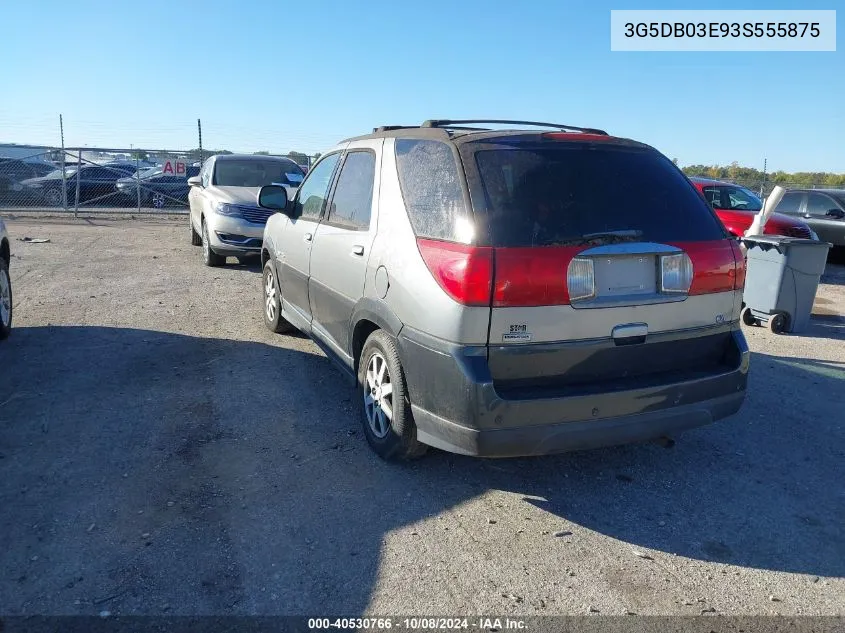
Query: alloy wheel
{"type": "Point", "coordinates": [206, 249]}
{"type": "Point", "coordinates": [378, 396]}
{"type": "Point", "coordinates": [5, 299]}
{"type": "Point", "coordinates": [54, 197]}
{"type": "Point", "coordinates": [270, 296]}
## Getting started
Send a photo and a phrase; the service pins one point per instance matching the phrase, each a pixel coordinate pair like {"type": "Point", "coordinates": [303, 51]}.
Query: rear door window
{"type": "Point", "coordinates": [819, 204]}
{"type": "Point", "coordinates": [431, 188]}
{"type": "Point", "coordinates": [569, 192]}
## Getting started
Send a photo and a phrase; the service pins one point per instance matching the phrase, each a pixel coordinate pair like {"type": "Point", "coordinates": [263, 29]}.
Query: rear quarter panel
{"type": "Point", "coordinates": [413, 295]}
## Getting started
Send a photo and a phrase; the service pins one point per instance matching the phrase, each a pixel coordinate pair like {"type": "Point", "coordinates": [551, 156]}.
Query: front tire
{"type": "Point", "coordinates": [196, 238]}
{"type": "Point", "coordinates": [209, 257]}
{"type": "Point", "coordinates": [53, 197]}
{"type": "Point", "coordinates": [385, 407]}
{"type": "Point", "coordinates": [5, 300]}
{"type": "Point", "coordinates": [273, 318]}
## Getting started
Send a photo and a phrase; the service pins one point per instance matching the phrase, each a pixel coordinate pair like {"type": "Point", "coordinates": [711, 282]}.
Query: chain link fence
{"type": "Point", "coordinates": [764, 188]}
{"type": "Point", "coordinates": [97, 180]}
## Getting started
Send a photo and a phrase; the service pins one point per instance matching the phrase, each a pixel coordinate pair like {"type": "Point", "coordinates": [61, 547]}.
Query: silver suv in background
{"type": "Point", "coordinates": [509, 292]}
{"type": "Point", "coordinates": [224, 216]}
{"type": "Point", "coordinates": [5, 283]}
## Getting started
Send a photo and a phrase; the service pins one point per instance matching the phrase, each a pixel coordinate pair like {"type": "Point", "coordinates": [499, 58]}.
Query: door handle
{"type": "Point", "coordinates": [358, 250]}
{"type": "Point", "coordinates": [307, 237]}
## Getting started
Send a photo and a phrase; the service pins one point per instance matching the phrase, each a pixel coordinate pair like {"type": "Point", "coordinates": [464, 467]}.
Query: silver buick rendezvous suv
{"type": "Point", "coordinates": [510, 292]}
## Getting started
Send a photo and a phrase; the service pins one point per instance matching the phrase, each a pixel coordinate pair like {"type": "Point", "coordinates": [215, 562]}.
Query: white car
{"type": "Point", "coordinates": [225, 217]}
{"type": "Point", "coordinates": [5, 284]}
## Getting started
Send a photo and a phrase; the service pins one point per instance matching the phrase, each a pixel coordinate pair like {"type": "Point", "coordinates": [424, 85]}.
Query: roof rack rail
{"type": "Point", "coordinates": [454, 123]}
{"type": "Point", "coordinates": [388, 128]}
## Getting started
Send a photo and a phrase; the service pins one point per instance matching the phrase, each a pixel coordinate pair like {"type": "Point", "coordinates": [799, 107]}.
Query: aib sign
{"type": "Point", "coordinates": [173, 168]}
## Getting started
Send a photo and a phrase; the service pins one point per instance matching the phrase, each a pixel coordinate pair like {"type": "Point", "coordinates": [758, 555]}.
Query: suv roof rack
{"type": "Point", "coordinates": [388, 128]}
{"type": "Point", "coordinates": [456, 123]}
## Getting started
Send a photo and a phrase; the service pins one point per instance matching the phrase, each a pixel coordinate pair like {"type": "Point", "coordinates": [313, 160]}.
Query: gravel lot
{"type": "Point", "coordinates": [162, 453]}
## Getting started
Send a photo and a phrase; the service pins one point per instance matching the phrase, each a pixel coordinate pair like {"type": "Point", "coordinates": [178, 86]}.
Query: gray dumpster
{"type": "Point", "coordinates": [782, 276]}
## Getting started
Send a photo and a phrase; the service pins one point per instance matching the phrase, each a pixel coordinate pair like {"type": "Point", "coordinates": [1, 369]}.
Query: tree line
{"type": "Point", "coordinates": [750, 175]}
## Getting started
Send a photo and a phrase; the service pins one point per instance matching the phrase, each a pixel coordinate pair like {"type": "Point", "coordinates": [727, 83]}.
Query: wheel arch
{"type": "Point", "coordinates": [371, 315]}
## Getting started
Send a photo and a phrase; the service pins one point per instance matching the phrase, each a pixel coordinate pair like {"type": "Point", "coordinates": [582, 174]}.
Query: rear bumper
{"type": "Point", "coordinates": [459, 410]}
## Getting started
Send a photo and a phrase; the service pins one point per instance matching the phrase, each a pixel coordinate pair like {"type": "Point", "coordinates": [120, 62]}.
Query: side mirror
{"type": "Point", "coordinates": [836, 213]}
{"type": "Point", "coordinates": [196, 181]}
{"type": "Point", "coordinates": [274, 197]}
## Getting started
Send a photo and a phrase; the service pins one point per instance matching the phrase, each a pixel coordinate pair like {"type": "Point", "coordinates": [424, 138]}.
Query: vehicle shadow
{"type": "Point", "coordinates": [834, 272]}
{"type": "Point", "coordinates": [145, 472]}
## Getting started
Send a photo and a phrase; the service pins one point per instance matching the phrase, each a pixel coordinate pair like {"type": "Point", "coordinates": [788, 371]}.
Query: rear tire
{"type": "Point", "coordinates": [209, 257]}
{"type": "Point", "coordinates": [385, 407]}
{"type": "Point", "coordinates": [272, 294]}
{"type": "Point", "coordinates": [5, 300]}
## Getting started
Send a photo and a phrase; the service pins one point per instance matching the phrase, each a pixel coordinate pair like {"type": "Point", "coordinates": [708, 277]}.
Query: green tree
{"type": "Point", "coordinates": [140, 155]}
{"type": "Point", "coordinates": [261, 153]}
{"type": "Point", "coordinates": [298, 157]}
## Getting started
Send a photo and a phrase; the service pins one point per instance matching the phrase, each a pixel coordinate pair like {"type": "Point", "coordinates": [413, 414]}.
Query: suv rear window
{"type": "Point", "coordinates": [431, 188]}
{"type": "Point", "coordinates": [542, 196]}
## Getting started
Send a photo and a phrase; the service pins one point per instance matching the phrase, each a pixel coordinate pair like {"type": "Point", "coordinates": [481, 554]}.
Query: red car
{"type": "Point", "coordinates": [736, 207]}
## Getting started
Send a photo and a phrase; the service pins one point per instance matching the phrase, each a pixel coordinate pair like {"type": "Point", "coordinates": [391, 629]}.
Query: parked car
{"type": "Point", "coordinates": [157, 188]}
{"type": "Point", "coordinates": [13, 171]}
{"type": "Point", "coordinates": [95, 182]}
{"type": "Point", "coordinates": [736, 207]}
{"type": "Point", "coordinates": [822, 209]}
{"type": "Point", "coordinates": [225, 218]}
{"type": "Point", "coordinates": [494, 293]}
{"type": "Point", "coordinates": [5, 283]}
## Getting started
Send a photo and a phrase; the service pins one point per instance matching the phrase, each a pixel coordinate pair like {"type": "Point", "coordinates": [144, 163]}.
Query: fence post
{"type": "Point", "coordinates": [138, 179]}
{"type": "Point", "coordinates": [78, 169]}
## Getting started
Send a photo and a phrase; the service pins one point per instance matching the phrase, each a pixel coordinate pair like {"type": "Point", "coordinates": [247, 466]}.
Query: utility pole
{"type": "Point", "coordinates": [763, 184]}
{"type": "Point", "coordinates": [64, 174]}
{"type": "Point", "coordinates": [199, 130]}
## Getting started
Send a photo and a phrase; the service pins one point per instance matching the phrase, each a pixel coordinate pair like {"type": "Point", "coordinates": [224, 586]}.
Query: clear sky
{"type": "Point", "coordinates": [280, 75]}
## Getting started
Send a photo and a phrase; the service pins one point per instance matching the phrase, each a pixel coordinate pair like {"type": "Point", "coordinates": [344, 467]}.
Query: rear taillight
{"type": "Point", "coordinates": [532, 276]}
{"type": "Point", "coordinates": [675, 273]}
{"type": "Point", "coordinates": [464, 272]}
{"type": "Point", "coordinates": [714, 266]}
{"type": "Point", "coordinates": [739, 259]}
{"type": "Point", "coordinates": [581, 279]}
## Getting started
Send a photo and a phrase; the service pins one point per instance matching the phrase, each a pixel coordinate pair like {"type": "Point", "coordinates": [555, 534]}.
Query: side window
{"type": "Point", "coordinates": [431, 188]}
{"type": "Point", "coordinates": [790, 203]}
{"type": "Point", "coordinates": [206, 173]}
{"type": "Point", "coordinates": [102, 173]}
{"type": "Point", "coordinates": [353, 196]}
{"type": "Point", "coordinates": [312, 193]}
{"type": "Point", "coordinates": [819, 204]}
{"type": "Point", "coordinates": [712, 196]}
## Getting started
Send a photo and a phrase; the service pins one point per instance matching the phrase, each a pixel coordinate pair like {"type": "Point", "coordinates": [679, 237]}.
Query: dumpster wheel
{"type": "Point", "coordinates": [777, 323]}
{"type": "Point", "coordinates": [748, 317]}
